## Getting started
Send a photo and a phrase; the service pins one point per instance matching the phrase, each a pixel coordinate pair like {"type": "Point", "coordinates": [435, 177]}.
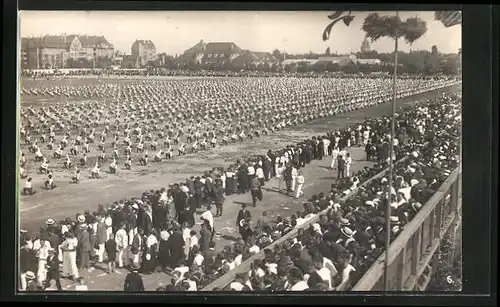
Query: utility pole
{"type": "Point", "coordinates": [391, 164]}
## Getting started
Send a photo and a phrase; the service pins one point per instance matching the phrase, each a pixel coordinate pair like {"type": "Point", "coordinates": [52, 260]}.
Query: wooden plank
{"type": "Point", "coordinates": [400, 264]}
{"type": "Point", "coordinates": [439, 219]}
{"type": "Point", "coordinates": [376, 270]}
{"type": "Point", "coordinates": [416, 252]}
{"type": "Point", "coordinates": [432, 225]}
{"type": "Point", "coordinates": [408, 259]}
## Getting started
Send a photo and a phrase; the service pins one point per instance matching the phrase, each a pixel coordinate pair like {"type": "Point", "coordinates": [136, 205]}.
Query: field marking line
{"type": "Point", "coordinates": [107, 186]}
{"type": "Point", "coordinates": [32, 207]}
{"type": "Point", "coordinates": [130, 180]}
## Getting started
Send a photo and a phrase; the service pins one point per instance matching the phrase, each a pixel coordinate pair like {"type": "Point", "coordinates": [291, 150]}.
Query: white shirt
{"type": "Point", "coordinates": [300, 179]}
{"type": "Point", "coordinates": [347, 271]}
{"type": "Point", "coordinates": [294, 172]}
{"type": "Point", "coordinates": [183, 270]}
{"type": "Point", "coordinates": [236, 286]}
{"type": "Point", "coordinates": [254, 249]}
{"type": "Point", "coordinates": [406, 192]}
{"type": "Point", "coordinates": [64, 229]}
{"type": "Point", "coordinates": [251, 170]}
{"type": "Point", "coordinates": [237, 261]}
{"type": "Point", "coordinates": [300, 286]}
{"type": "Point", "coordinates": [198, 259]}
{"type": "Point", "coordinates": [325, 274]}
{"type": "Point", "coordinates": [300, 221]}
{"type": "Point", "coordinates": [192, 285]}
{"type": "Point", "coordinates": [28, 185]}
{"type": "Point", "coordinates": [186, 235]}
{"type": "Point", "coordinates": [327, 263]}
{"type": "Point", "coordinates": [260, 173]}
{"type": "Point", "coordinates": [279, 172]}
{"type": "Point", "coordinates": [108, 221]}
{"type": "Point", "coordinates": [151, 240]}
{"type": "Point", "coordinates": [193, 241]}
{"type": "Point", "coordinates": [81, 288]}
{"type": "Point", "coordinates": [208, 216]}
{"type": "Point", "coordinates": [348, 161]}
{"type": "Point", "coordinates": [121, 239]}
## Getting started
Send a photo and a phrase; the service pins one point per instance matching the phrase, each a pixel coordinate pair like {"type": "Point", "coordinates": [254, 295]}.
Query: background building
{"type": "Point", "coordinates": [60, 51]}
{"type": "Point", "coordinates": [143, 51]}
{"type": "Point", "coordinates": [224, 55]}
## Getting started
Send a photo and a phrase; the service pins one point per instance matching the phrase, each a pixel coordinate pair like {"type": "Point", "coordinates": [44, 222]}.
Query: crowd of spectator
{"type": "Point", "coordinates": [152, 72]}
{"type": "Point", "coordinates": [155, 232]}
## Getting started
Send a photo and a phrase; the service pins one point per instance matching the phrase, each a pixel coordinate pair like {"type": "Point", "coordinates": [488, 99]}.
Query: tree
{"type": "Point", "coordinates": [376, 26]}
{"type": "Point", "coordinates": [434, 50]}
{"type": "Point", "coordinates": [277, 54]}
{"type": "Point", "coordinates": [332, 67]}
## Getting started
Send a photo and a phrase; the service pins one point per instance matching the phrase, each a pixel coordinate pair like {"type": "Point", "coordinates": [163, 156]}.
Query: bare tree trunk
{"type": "Point", "coordinates": [391, 166]}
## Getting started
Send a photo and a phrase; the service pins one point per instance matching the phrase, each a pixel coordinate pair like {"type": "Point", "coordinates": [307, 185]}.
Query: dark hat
{"type": "Point", "coordinates": [295, 272]}
{"type": "Point", "coordinates": [135, 266]}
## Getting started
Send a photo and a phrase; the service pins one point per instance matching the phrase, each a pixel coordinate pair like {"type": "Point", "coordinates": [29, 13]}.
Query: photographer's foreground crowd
{"type": "Point", "coordinates": [155, 232]}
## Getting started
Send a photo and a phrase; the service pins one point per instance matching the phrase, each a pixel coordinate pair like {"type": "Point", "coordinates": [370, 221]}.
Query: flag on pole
{"type": "Point", "coordinates": [449, 18]}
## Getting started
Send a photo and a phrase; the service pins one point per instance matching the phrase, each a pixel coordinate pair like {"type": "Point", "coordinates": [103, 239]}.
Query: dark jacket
{"type": "Point", "coordinates": [136, 244]}
{"type": "Point", "coordinates": [111, 249]}
{"type": "Point", "coordinates": [199, 188]}
{"type": "Point", "coordinates": [243, 215]}
{"type": "Point", "coordinates": [205, 237]}
{"type": "Point", "coordinates": [190, 185]}
{"type": "Point", "coordinates": [180, 199]}
{"type": "Point", "coordinates": [133, 283]}
{"type": "Point", "coordinates": [28, 261]}
{"type": "Point", "coordinates": [219, 195]}
{"type": "Point", "coordinates": [255, 184]}
{"type": "Point", "coordinates": [53, 266]}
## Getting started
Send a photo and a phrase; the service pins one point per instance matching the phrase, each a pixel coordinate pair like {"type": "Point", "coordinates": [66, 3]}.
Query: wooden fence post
{"type": "Point", "coordinates": [415, 251]}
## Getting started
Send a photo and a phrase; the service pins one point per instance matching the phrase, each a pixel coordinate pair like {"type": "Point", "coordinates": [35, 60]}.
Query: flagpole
{"type": "Point", "coordinates": [391, 166]}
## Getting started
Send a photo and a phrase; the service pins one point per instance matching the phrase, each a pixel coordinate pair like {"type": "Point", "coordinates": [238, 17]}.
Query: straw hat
{"type": "Point", "coordinates": [348, 232]}
{"type": "Point", "coordinates": [344, 222]}
{"type": "Point", "coordinates": [30, 275]}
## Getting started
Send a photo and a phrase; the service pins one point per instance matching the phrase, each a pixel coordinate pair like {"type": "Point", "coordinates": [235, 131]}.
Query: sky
{"type": "Point", "coordinates": [175, 31]}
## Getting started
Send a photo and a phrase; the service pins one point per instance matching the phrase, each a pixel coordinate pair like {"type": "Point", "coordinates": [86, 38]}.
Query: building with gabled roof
{"type": "Point", "coordinates": [222, 53]}
{"type": "Point", "coordinates": [248, 57]}
{"type": "Point", "coordinates": [51, 51]}
{"type": "Point", "coordinates": [143, 51]}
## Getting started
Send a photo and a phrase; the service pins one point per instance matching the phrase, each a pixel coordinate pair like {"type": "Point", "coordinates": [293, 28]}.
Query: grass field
{"type": "Point", "coordinates": [68, 199]}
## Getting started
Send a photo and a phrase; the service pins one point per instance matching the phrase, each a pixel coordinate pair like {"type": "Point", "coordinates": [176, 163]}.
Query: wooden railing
{"type": "Point", "coordinates": [410, 254]}
{"type": "Point", "coordinates": [244, 267]}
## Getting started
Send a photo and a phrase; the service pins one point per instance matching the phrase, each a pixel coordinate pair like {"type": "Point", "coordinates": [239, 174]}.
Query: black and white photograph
{"type": "Point", "coordinates": [246, 151]}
